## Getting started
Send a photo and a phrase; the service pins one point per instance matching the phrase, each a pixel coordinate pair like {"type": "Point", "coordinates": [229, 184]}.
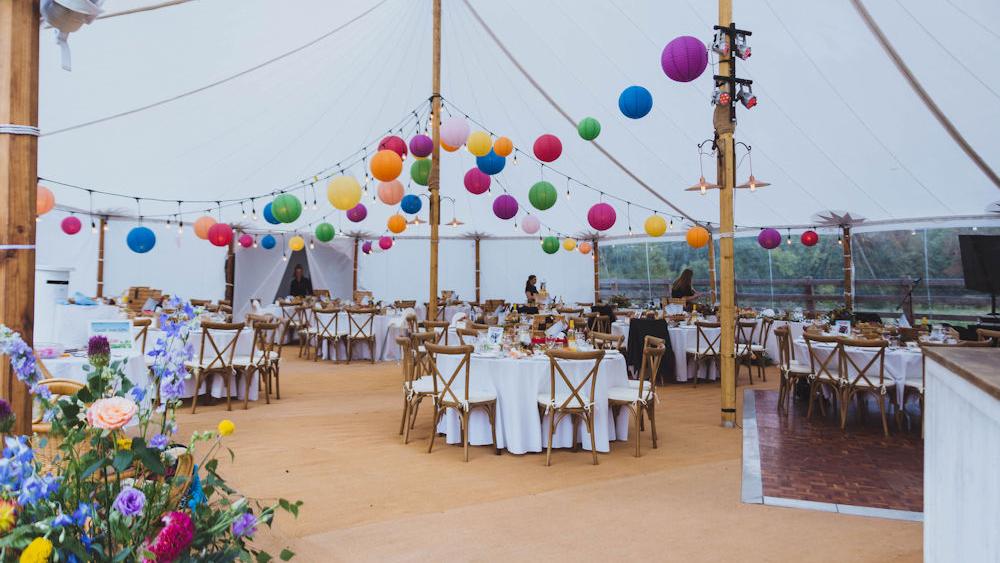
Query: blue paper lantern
{"type": "Point", "coordinates": [635, 102]}
{"type": "Point", "coordinates": [269, 215]}
{"type": "Point", "coordinates": [268, 242]}
{"type": "Point", "coordinates": [491, 163]}
{"type": "Point", "coordinates": [411, 204]}
{"type": "Point", "coordinates": [141, 240]}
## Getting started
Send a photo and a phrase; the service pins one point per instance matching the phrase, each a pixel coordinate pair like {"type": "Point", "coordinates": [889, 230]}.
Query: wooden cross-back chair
{"type": "Point", "coordinates": [639, 396]}
{"type": "Point", "coordinates": [305, 328]}
{"type": "Point", "coordinates": [745, 331]}
{"type": "Point", "coordinates": [575, 400]}
{"type": "Point", "coordinates": [477, 326]}
{"type": "Point", "coordinates": [201, 302]}
{"type": "Point", "coordinates": [360, 328]}
{"type": "Point", "coordinates": [705, 349]}
{"type": "Point", "coordinates": [467, 336]}
{"type": "Point", "coordinates": [404, 303]}
{"type": "Point", "coordinates": [290, 319]}
{"type": "Point", "coordinates": [322, 294]}
{"type": "Point", "coordinates": [215, 359]}
{"type": "Point", "coordinates": [825, 368]}
{"type": "Point", "coordinates": [464, 400]}
{"type": "Point", "coordinates": [987, 335]}
{"type": "Point", "coordinates": [416, 387]}
{"type": "Point", "coordinates": [605, 341]}
{"type": "Point", "coordinates": [418, 340]}
{"type": "Point", "coordinates": [47, 451]}
{"type": "Point", "coordinates": [440, 328]}
{"type": "Point", "coordinates": [599, 322]}
{"type": "Point", "coordinates": [271, 334]}
{"type": "Point", "coordinates": [864, 376]}
{"type": "Point", "coordinates": [439, 315]}
{"type": "Point", "coordinates": [790, 371]}
{"type": "Point", "coordinates": [258, 364]}
{"type": "Point", "coordinates": [573, 311]}
{"type": "Point", "coordinates": [759, 349]}
{"type": "Point", "coordinates": [326, 330]}
{"type": "Point", "coordinates": [142, 325]}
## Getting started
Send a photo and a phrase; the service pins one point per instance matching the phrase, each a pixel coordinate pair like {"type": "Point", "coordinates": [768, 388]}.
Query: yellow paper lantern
{"type": "Point", "coordinates": [569, 244]}
{"type": "Point", "coordinates": [386, 165]}
{"type": "Point", "coordinates": [202, 225]}
{"type": "Point", "coordinates": [479, 143]}
{"type": "Point", "coordinates": [448, 147]}
{"type": "Point", "coordinates": [396, 223]}
{"type": "Point", "coordinates": [655, 226]}
{"type": "Point", "coordinates": [584, 247]}
{"type": "Point", "coordinates": [697, 237]}
{"type": "Point", "coordinates": [503, 146]}
{"type": "Point", "coordinates": [44, 201]}
{"type": "Point", "coordinates": [296, 243]}
{"type": "Point", "coordinates": [344, 192]}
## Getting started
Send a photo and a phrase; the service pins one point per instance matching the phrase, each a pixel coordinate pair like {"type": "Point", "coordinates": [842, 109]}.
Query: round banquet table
{"type": "Point", "coordinates": [901, 364]}
{"type": "Point", "coordinates": [222, 338]}
{"type": "Point", "coordinates": [517, 383]}
{"type": "Point", "coordinates": [449, 311]}
{"type": "Point", "coordinates": [384, 327]}
{"type": "Point", "coordinates": [71, 367]}
{"type": "Point", "coordinates": [72, 322]}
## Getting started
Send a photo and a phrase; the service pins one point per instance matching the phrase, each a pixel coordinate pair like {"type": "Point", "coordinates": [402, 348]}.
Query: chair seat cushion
{"type": "Point", "coordinates": [628, 394]}
{"type": "Point", "coordinates": [201, 365]}
{"type": "Point", "coordinates": [476, 396]}
{"type": "Point", "coordinates": [703, 352]}
{"type": "Point", "coordinates": [757, 348]}
{"type": "Point", "coordinates": [424, 384]}
{"type": "Point", "coordinates": [244, 361]}
{"type": "Point", "coordinates": [800, 369]}
{"type": "Point", "coordinates": [545, 399]}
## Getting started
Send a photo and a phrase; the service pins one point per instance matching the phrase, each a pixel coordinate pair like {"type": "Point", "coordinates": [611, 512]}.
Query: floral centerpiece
{"type": "Point", "coordinates": [620, 301]}
{"type": "Point", "coordinates": [118, 488]}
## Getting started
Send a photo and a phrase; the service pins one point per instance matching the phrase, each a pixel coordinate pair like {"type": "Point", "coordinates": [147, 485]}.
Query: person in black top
{"type": "Point", "coordinates": [301, 286]}
{"type": "Point", "coordinates": [682, 288]}
{"type": "Point", "coordinates": [530, 296]}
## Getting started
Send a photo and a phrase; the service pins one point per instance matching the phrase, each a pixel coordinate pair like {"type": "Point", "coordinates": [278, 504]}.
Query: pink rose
{"type": "Point", "coordinates": [111, 414]}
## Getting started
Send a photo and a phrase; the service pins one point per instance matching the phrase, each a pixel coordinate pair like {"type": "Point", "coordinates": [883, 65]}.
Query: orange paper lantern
{"type": "Point", "coordinates": [697, 237]}
{"type": "Point", "coordinates": [202, 225]}
{"type": "Point", "coordinates": [503, 146]}
{"type": "Point", "coordinates": [386, 165]}
{"type": "Point", "coordinates": [45, 200]}
{"type": "Point", "coordinates": [447, 147]}
{"type": "Point", "coordinates": [396, 223]}
{"type": "Point", "coordinates": [583, 247]}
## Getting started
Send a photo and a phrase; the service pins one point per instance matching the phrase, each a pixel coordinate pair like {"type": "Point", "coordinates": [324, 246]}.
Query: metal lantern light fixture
{"type": "Point", "coordinates": [702, 186]}
{"type": "Point", "coordinates": [752, 183]}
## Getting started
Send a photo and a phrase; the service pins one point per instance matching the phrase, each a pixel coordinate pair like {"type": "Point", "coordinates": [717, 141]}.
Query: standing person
{"type": "Point", "coordinates": [300, 286]}
{"type": "Point", "coordinates": [682, 288]}
{"type": "Point", "coordinates": [530, 296]}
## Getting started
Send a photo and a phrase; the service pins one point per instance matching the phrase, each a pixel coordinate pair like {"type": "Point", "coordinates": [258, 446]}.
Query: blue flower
{"type": "Point", "coordinates": [62, 520]}
{"type": "Point", "coordinates": [159, 441]}
{"type": "Point", "coordinates": [138, 394]}
{"type": "Point", "coordinates": [197, 494]}
{"type": "Point", "coordinates": [81, 514]}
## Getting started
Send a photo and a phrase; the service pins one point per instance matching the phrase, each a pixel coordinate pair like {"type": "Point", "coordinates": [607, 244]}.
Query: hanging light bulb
{"type": "Point", "coordinates": [180, 228]}
{"type": "Point", "coordinates": [105, 226]}
{"type": "Point", "coordinates": [284, 257]}
{"type": "Point", "coordinates": [840, 241]}
{"type": "Point", "coordinates": [975, 228]}
{"type": "Point", "coordinates": [255, 241]}
{"type": "Point", "coordinates": [312, 246]}
{"type": "Point", "coordinates": [788, 239]}
{"type": "Point", "coordinates": [38, 218]}
{"type": "Point", "coordinates": [93, 227]}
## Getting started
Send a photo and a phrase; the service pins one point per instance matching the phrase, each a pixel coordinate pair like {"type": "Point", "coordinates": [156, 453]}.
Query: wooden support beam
{"type": "Point", "coordinates": [434, 182]}
{"type": "Point", "coordinates": [724, 130]}
{"type": "Point", "coordinates": [231, 273]}
{"type": "Point", "coordinates": [848, 269]}
{"type": "Point", "coordinates": [712, 281]}
{"type": "Point", "coordinates": [477, 272]}
{"type": "Point", "coordinates": [101, 228]}
{"type": "Point", "coordinates": [354, 286]}
{"type": "Point", "coordinates": [19, 25]}
{"type": "Point", "coordinates": [597, 275]}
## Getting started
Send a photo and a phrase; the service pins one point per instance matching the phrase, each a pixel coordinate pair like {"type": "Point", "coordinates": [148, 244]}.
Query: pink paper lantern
{"type": "Point", "coordinates": [505, 206]}
{"type": "Point", "coordinates": [366, 247]}
{"type": "Point", "coordinates": [390, 193]}
{"type": "Point", "coordinates": [477, 181]}
{"type": "Point", "coordinates": [421, 146]}
{"type": "Point", "coordinates": [684, 58]}
{"type": "Point", "coordinates": [394, 144]}
{"type": "Point", "coordinates": [769, 239]}
{"type": "Point", "coordinates": [547, 148]}
{"type": "Point", "coordinates": [357, 213]}
{"type": "Point", "coordinates": [454, 131]}
{"type": "Point", "coordinates": [220, 234]}
{"type": "Point", "coordinates": [246, 241]}
{"type": "Point", "coordinates": [385, 243]}
{"type": "Point", "coordinates": [602, 216]}
{"type": "Point", "coordinates": [71, 225]}
{"type": "Point", "coordinates": [530, 224]}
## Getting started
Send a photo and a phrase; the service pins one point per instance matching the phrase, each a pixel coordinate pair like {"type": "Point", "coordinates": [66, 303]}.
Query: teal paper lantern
{"type": "Point", "coordinates": [420, 171]}
{"type": "Point", "coordinates": [635, 102]}
{"type": "Point", "coordinates": [286, 208]}
{"type": "Point", "coordinates": [550, 245]}
{"type": "Point", "coordinates": [411, 204]}
{"type": "Point", "coordinates": [141, 240]}
{"type": "Point", "coordinates": [324, 232]}
{"type": "Point", "coordinates": [542, 195]}
{"type": "Point", "coordinates": [589, 128]}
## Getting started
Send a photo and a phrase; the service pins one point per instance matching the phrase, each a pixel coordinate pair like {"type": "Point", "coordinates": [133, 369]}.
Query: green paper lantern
{"type": "Point", "coordinates": [550, 245]}
{"type": "Point", "coordinates": [542, 195]}
{"type": "Point", "coordinates": [589, 128]}
{"type": "Point", "coordinates": [420, 171]}
{"type": "Point", "coordinates": [286, 208]}
{"type": "Point", "coordinates": [324, 232]}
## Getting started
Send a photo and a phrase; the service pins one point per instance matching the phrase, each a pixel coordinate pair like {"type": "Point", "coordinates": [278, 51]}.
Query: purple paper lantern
{"type": "Point", "coordinates": [357, 213]}
{"type": "Point", "coordinates": [505, 206]}
{"type": "Point", "coordinates": [366, 247]}
{"type": "Point", "coordinates": [684, 58]}
{"type": "Point", "coordinates": [385, 243]}
{"type": "Point", "coordinates": [602, 216]}
{"type": "Point", "coordinates": [477, 181]}
{"type": "Point", "coordinates": [769, 239]}
{"type": "Point", "coordinates": [421, 146]}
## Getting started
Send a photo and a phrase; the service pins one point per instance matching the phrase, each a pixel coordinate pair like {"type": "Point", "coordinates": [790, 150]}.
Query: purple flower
{"type": "Point", "coordinates": [130, 502]}
{"type": "Point", "coordinates": [98, 345]}
{"type": "Point", "coordinates": [159, 441]}
{"type": "Point", "coordinates": [245, 525]}
{"type": "Point", "coordinates": [172, 390]}
{"type": "Point", "coordinates": [7, 417]}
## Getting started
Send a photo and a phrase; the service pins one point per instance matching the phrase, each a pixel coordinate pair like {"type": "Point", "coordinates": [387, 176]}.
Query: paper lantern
{"type": "Point", "coordinates": [454, 131]}
{"type": "Point", "coordinates": [385, 243]}
{"type": "Point", "coordinates": [491, 164]}
{"type": "Point", "coordinates": [421, 146]}
{"type": "Point", "coordinates": [542, 195]}
{"type": "Point", "coordinates": [366, 247]}
{"type": "Point", "coordinates": [550, 245]}
{"type": "Point", "coordinates": [220, 234]}
{"type": "Point", "coordinates": [344, 192]}
{"type": "Point", "coordinates": [268, 214]}
{"type": "Point", "coordinates": [601, 216]}
{"type": "Point", "coordinates": [396, 223]}
{"type": "Point", "coordinates": [697, 236]}
{"type": "Point", "coordinates": [655, 226]}
{"type": "Point", "coordinates": [447, 147]}
{"type": "Point", "coordinates": [268, 242]}
{"type": "Point", "coordinates": [684, 58]}
{"type": "Point", "coordinates": [588, 128]}
{"type": "Point", "coordinates": [141, 240]}
{"type": "Point", "coordinates": [503, 146]}
{"type": "Point", "coordinates": [476, 181]}
{"type": "Point", "coordinates": [411, 204]}
{"type": "Point", "coordinates": [202, 225]}
{"type": "Point", "coordinates": [479, 143]}
{"type": "Point", "coordinates": [324, 232]}
{"type": "Point", "coordinates": [246, 241]}
{"type": "Point", "coordinates": [420, 171]}
{"type": "Point", "coordinates": [505, 206]}
{"type": "Point", "coordinates": [769, 239]}
{"type": "Point", "coordinates": [390, 193]}
{"type": "Point", "coordinates": [286, 208]}
{"type": "Point", "coordinates": [386, 165]}
{"type": "Point", "coordinates": [394, 144]}
{"type": "Point", "coordinates": [357, 213]}
{"type": "Point", "coordinates": [584, 247]}
{"type": "Point", "coordinates": [45, 200]}
{"type": "Point", "coordinates": [810, 238]}
{"type": "Point", "coordinates": [530, 224]}
{"type": "Point", "coordinates": [296, 243]}
{"type": "Point", "coordinates": [547, 148]}
{"type": "Point", "coordinates": [635, 102]}
{"type": "Point", "coordinates": [569, 244]}
{"type": "Point", "coordinates": [70, 225]}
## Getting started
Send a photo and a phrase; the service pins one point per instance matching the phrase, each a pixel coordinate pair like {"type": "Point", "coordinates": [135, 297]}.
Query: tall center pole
{"type": "Point", "coordinates": [713, 279]}
{"type": "Point", "coordinates": [100, 256]}
{"type": "Point", "coordinates": [724, 129]}
{"type": "Point", "coordinates": [354, 285]}
{"type": "Point", "coordinates": [434, 183]}
{"type": "Point", "coordinates": [848, 270]}
{"type": "Point", "coordinates": [477, 271]}
{"type": "Point", "coordinates": [597, 275]}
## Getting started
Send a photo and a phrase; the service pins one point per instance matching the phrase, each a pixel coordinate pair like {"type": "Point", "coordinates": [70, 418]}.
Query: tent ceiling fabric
{"type": "Point", "coordinates": [837, 126]}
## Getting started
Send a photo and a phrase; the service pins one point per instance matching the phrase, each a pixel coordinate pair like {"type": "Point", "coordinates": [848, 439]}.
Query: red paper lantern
{"type": "Point", "coordinates": [547, 148]}
{"type": "Point", "coordinates": [394, 144]}
{"type": "Point", "coordinates": [71, 225]}
{"type": "Point", "coordinates": [220, 234]}
{"type": "Point", "coordinates": [602, 216]}
{"type": "Point", "coordinates": [810, 238]}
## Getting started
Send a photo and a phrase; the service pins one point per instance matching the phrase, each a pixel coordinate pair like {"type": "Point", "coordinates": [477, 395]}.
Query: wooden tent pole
{"type": "Point", "coordinates": [712, 281]}
{"type": "Point", "coordinates": [724, 129]}
{"type": "Point", "coordinates": [848, 270]}
{"type": "Point", "coordinates": [597, 276]}
{"type": "Point", "coordinates": [354, 285]}
{"type": "Point", "coordinates": [434, 181]}
{"type": "Point", "coordinates": [100, 256]}
{"type": "Point", "coordinates": [19, 24]}
{"type": "Point", "coordinates": [477, 271]}
{"type": "Point", "coordinates": [231, 272]}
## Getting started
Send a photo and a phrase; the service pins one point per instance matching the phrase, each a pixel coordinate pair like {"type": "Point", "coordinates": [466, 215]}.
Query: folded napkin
{"type": "Point", "coordinates": [81, 299]}
{"type": "Point", "coordinates": [459, 320]}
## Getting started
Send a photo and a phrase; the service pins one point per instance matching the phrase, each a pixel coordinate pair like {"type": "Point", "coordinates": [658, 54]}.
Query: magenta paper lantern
{"type": "Point", "coordinates": [602, 216]}
{"type": "Point", "coordinates": [531, 224]}
{"type": "Point", "coordinates": [684, 58]}
{"type": "Point", "coordinates": [385, 243]}
{"type": "Point", "coordinates": [454, 131]}
{"type": "Point", "coordinates": [394, 144]}
{"type": "Point", "coordinates": [71, 225]}
{"type": "Point", "coordinates": [357, 213]}
{"type": "Point", "coordinates": [769, 238]}
{"type": "Point", "coordinates": [505, 206]}
{"type": "Point", "coordinates": [421, 146]}
{"type": "Point", "coordinates": [366, 247]}
{"type": "Point", "coordinates": [246, 241]}
{"type": "Point", "coordinates": [477, 181]}
{"type": "Point", "coordinates": [220, 234]}
{"type": "Point", "coordinates": [547, 148]}
{"type": "Point", "coordinates": [810, 238]}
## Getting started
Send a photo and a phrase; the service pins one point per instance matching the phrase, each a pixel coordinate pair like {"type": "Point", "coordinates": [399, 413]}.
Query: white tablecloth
{"type": "Point", "coordinates": [72, 322]}
{"type": "Point", "coordinates": [243, 346]}
{"type": "Point", "coordinates": [71, 367]}
{"type": "Point", "coordinates": [385, 328]}
{"type": "Point", "coordinates": [449, 311]}
{"type": "Point", "coordinates": [901, 364]}
{"type": "Point", "coordinates": [517, 384]}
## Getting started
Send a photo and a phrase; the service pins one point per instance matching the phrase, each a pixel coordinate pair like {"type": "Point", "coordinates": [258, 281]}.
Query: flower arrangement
{"type": "Point", "coordinates": [620, 301]}
{"type": "Point", "coordinates": [112, 496]}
